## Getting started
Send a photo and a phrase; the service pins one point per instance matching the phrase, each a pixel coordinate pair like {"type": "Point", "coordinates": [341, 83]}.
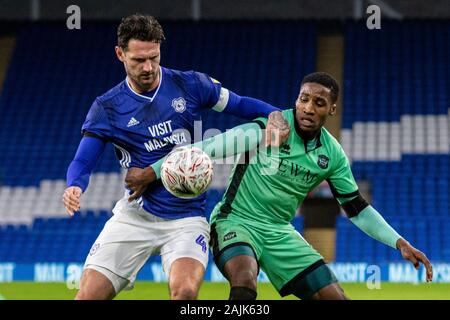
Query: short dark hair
{"type": "Point", "coordinates": [326, 80]}
{"type": "Point", "coordinates": [139, 27]}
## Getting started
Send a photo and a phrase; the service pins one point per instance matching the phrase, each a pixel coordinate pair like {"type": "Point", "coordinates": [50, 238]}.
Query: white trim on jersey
{"type": "Point", "coordinates": [223, 100]}
{"type": "Point", "coordinates": [157, 89]}
{"type": "Point", "coordinates": [126, 157]}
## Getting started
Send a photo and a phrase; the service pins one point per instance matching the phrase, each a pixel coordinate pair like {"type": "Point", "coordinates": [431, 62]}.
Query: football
{"type": "Point", "coordinates": [187, 172]}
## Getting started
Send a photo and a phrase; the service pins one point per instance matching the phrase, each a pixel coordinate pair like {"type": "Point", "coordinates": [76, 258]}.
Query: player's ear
{"type": "Point", "coordinates": [119, 53]}
{"type": "Point", "coordinates": [332, 110]}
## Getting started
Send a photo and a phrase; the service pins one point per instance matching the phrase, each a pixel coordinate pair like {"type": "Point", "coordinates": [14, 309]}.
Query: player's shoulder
{"type": "Point", "coordinates": [183, 74]}
{"type": "Point", "coordinates": [327, 139]}
{"type": "Point", "coordinates": [288, 114]}
{"type": "Point", "coordinates": [189, 77]}
{"type": "Point", "coordinates": [112, 93]}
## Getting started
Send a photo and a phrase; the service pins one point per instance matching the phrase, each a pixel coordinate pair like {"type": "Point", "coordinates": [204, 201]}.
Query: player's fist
{"type": "Point", "coordinates": [277, 129]}
{"type": "Point", "coordinates": [71, 199]}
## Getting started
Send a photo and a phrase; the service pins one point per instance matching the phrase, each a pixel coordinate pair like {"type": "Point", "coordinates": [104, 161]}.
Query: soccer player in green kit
{"type": "Point", "coordinates": [250, 226]}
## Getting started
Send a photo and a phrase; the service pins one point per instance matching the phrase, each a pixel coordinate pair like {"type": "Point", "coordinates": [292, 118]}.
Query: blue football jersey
{"type": "Point", "coordinates": [144, 129]}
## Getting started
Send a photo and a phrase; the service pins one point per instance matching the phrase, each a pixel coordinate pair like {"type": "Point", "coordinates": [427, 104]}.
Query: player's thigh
{"type": "Point", "coordinates": [182, 284]}
{"type": "Point", "coordinates": [235, 248]}
{"type": "Point", "coordinates": [186, 238]}
{"type": "Point", "coordinates": [242, 270]}
{"type": "Point", "coordinates": [287, 256]}
{"type": "Point", "coordinates": [315, 282]}
{"type": "Point", "coordinates": [120, 250]}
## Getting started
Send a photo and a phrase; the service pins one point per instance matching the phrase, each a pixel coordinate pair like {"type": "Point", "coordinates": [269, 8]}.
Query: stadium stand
{"type": "Point", "coordinates": [396, 132]}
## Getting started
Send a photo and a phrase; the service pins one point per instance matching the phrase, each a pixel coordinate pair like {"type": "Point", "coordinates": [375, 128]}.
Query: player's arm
{"type": "Point", "coordinates": [242, 106]}
{"type": "Point", "coordinates": [234, 141]}
{"type": "Point", "coordinates": [95, 132]}
{"type": "Point", "coordinates": [89, 151]}
{"type": "Point", "coordinates": [277, 129]}
{"type": "Point", "coordinates": [368, 219]}
{"type": "Point", "coordinates": [214, 96]}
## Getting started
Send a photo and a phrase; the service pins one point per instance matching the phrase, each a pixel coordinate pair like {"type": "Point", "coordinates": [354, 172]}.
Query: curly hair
{"type": "Point", "coordinates": [326, 80]}
{"type": "Point", "coordinates": [139, 27]}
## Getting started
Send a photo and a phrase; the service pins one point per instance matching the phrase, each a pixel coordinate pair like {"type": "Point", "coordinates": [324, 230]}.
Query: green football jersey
{"type": "Point", "coordinates": [270, 187]}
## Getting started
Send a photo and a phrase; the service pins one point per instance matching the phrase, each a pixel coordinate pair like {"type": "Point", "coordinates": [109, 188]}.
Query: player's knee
{"type": "Point", "coordinates": [86, 295]}
{"type": "Point", "coordinates": [245, 279]}
{"type": "Point", "coordinates": [184, 292]}
{"type": "Point", "coordinates": [242, 293]}
{"type": "Point", "coordinates": [95, 286]}
{"type": "Point", "coordinates": [93, 294]}
{"type": "Point", "coordinates": [242, 271]}
{"type": "Point", "coordinates": [341, 293]}
{"type": "Point", "coordinates": [331, 292]}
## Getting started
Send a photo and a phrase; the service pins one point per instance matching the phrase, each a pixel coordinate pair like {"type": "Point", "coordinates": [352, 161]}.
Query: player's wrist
{"type": "Point", "coordinates": [402, 243]}
{"type": "Point", "coordinates": [76, 187]}
{"type": "Point", "coordinates": [156, 167]}
{"type": "Point", "coordinates": [149, 174]}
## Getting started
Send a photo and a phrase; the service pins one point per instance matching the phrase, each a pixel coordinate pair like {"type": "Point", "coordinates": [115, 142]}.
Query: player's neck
{"type": "Point", "coordinates": [308, 136]}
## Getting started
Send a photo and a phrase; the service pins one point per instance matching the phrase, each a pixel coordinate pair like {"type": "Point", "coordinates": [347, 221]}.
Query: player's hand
{"type": "Point", "coordinates": [277, 129]}
{"type": "Point", "coordinates": [138, 179]}
{"type": "Point", "coordinates": [71, 199]}
{"type": "Point", "coordinates": [415, 256]}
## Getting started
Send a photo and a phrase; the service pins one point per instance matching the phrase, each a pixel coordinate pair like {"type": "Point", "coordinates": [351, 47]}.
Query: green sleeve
{"type": "Point", "coordinates": [373, 224]}
{"type": "Point", "coordinates": [237, 140]}
{"type": "Point", "coordinates": [263, 121]}
{"type": "Point", "coordinates": [341, 181]}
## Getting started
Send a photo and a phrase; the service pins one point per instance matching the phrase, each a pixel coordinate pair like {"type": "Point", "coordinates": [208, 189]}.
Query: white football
{"type": "Point", "coordinates": [187, 172]}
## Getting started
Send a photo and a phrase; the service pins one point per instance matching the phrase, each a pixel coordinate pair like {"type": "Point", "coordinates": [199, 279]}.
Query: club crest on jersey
{"type": "Point", "coordinates": [285, 148]}
{"type": "Point", "coordinates": [94, 249]}
{"type": "Point", "coordinates": [322, 161]}
{"type": "Point", "coordinates": [179, 104]}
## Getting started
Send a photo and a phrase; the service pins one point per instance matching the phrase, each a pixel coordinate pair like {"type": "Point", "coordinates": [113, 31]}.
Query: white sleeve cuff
{"type": "Point", "coordinates": [223, 100]}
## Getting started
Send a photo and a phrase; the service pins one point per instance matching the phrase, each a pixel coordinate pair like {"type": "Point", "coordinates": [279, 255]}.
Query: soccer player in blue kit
{"type": "Point", "coordinates": [145, 116]}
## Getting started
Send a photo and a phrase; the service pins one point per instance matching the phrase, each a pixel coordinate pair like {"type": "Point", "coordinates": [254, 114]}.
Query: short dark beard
{"type": "Point", "coordinates": [305, 135]}
{"type": "Point", "coordinates": [145, 88]}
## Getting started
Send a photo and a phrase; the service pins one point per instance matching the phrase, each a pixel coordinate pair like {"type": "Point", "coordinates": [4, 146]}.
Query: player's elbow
{"type": "Point", "coordinates": [353, 207]}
